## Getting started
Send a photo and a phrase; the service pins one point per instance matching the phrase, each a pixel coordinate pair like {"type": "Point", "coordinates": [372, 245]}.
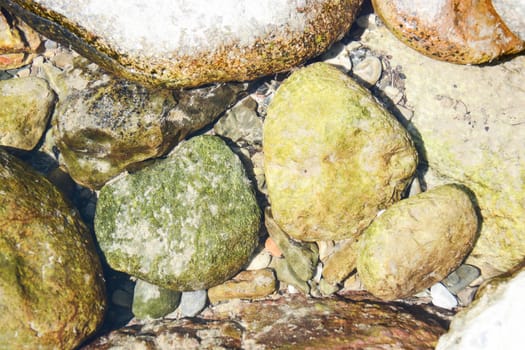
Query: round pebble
{"type": "Point", "coordinates": [338, 57]}
{"type": "Point", "coordinates": [369, 70]}
{"type": "Point", "coordinates": [442, 297]}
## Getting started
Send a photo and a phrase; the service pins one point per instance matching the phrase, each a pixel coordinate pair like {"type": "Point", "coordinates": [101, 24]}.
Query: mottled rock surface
{"type": "Point", "coordinates": [333, 156]}
{"type": "Point", "coordinates": [52, 289]}
{"type": "Point", "coordinates": [25, 109]}
{"type": "Point", "coordinates": [469, 126]}
{"type": "Point", "coordinates": [151, 301]}
{"type": "Point", "coordinates": [288, 322]}
{"type": "Point", "coordinates": [493, 321]}
{"type": "Point", "coordinates": [417, 242]}
{"type": "Point", "coordinates": [187, 222]}
{"type": "Point", "coordinates": [249, 285]}
{"type": "Point", "coordinates": [190, 43]}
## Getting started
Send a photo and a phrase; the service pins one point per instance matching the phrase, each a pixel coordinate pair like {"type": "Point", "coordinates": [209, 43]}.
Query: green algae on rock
{"type": "Point", "coordinates": [187, 222]}
{"type": "Point", "coordinates": [417, 242]}
{"type": "Point", "coordinates": [26, 105]}
{"type": "Point", "coordinates": [52, 288]}
{"type": "Point", "coordinates": [151, 301]}
{"type": "Point", "coordinates": [333, 156]}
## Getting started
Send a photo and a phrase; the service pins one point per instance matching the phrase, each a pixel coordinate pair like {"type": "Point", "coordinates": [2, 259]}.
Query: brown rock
{"type": "Point", "coordinates": [246, 285]}
{"type": "Point", "coordinates": [459, 31]}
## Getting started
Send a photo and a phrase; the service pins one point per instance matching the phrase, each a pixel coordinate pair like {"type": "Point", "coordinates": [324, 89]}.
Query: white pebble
{"type": "Point", "coordinates": [369, 70]}
{"type": "Point", "coordinates": [338, 57]}
{"type": "Point", "coordinates": [260, 261]}
{"type": "Point", "coordinates": [191, 303]}
{"type": "Point", "coordinates": [441, 297]}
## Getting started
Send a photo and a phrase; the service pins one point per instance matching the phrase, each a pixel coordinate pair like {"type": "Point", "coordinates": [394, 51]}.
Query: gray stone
{"type": "Point", "coordinates": [417, 242]}
{"type": "Point", "coordinates": [187, 222]}
{"type": "Point", "coordinates": [241, 123]}
{"type": "Point", "coordinates": [469, 125]}
{"type": "Point", "coordinates": [151, 301]}
{"type": "Point", "coordinates": [26, 107]}
{"type": "Point", "coordinates": [52, 287]}
{"type": "Point", "coordinates": [333, 156]}
{"type": "Point", "coordinates": [192, 303]}
{"type": "Point", "coordinates": [191, 43]}
{"type": "Point", "coordinates": [461, 278]}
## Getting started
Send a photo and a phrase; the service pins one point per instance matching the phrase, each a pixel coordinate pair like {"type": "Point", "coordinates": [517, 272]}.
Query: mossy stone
{"type": "Point", "coordinates": [187, 222]}
{"type": "Point", "coordinates": [52, 288]}
{"type": "Point", "coordinates": [333, 156]}
{"type": "Point", "coordinates": [151, 301]}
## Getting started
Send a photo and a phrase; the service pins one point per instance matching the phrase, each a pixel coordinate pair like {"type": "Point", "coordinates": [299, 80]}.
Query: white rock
{"type": "Point", "coordinates": [369, 70]}
{"type": "Point", "coordinates": [441, 297]}
{"type": "Point", "coordinates": [192, 303]}
{"type": "Point", "coordinates": [338, 57]}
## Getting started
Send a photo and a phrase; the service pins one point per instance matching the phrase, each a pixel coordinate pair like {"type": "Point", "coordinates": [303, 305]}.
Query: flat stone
{"type": "Point", "coordinates": [52, 287]}
{"type": "Point", "coordinates": [468, 124]}
{"type": "Point", "coordinates": [290, 321]}
{"type": "Point", "coordinates": [26, 108]}
{"type": "Point", "coordinates": [198, 231]}
{"type": "Point", "coordinates": [192, 303]}
{"type": "Point", "coordinates": [325, 135]}
{"type": "Point", "coordinates": [190, 43]}
{"type": "Point", "coordinates": [417, 242]}
{"type": "Point", "coordinates": [245, 285]}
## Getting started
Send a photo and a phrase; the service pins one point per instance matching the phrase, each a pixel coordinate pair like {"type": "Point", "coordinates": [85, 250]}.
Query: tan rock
{"type": "Point", "coordinates": [245, 285]}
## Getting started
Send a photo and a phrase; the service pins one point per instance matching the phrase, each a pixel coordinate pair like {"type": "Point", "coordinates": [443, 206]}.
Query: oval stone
{"type": "Point", "coordinates": [52, 293]}
{"type": "Point", "coordinates": [417, 242]}
{"type": "Point", "coordinates": [333, 156]}
{"type": "Point", "coordinates": [187, 222]}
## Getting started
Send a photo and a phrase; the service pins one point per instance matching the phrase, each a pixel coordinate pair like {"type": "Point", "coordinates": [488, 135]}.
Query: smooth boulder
{"type": "Point", "coordinates": [187, 222]}
{"type": "Point", "coordinates": [333, 156]}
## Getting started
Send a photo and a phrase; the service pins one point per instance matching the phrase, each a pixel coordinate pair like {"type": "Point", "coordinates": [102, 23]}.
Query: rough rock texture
{"type": "Point", "coordinates": [151, 301]}
{"type": "Point", "coordinates": [103, 126]}
{"type": "Point", "coordinates": [459, 31]}
{"type": "Point", "coordinates": [25, 109]}
{"type": "Point", "coordinates": [245, 285]}
{"type": "Point", "coordinates": [289, 322]}
{"type": "Point", "coordinates": [18, 42]}
{"type": "Point", "coordinates": [493, 321]}
{"type": "Point", "coordinates": [417, 242]}
{"type": "Point", "coordinates": [333, 156]}
{"type": "Point", "coordinates": [52, 289]}
{"type": "Point", "coordinates": [190, 43]}
{"type": "Point", "coordinates": [469, 126]}
{"type": "Point", "coordinates": [187, 222]}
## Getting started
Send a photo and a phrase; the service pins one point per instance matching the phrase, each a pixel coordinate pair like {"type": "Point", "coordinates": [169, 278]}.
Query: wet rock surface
{"type": "Point", "coordinates": [52, 289]}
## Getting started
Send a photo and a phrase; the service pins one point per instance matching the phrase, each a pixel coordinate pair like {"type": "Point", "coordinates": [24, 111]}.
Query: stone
{"type": "Point", "coordinates": [192, 303]}
{"type": "Point", "coordinates": [442, 297]}
{"type": "Point", "coordinates": [368, 70]}
{"type": "Point", "coordinates": [18, 42]}
{"type": "Point", "coordinates": [191, 43]}
{"type": "Point", "coordinates": [287, 322]}
{"type": "Point", "coordinates": [461, 278]}
{"type": "Point", "coordinates": [241, 123]}
{"type": "Point", "coordinates": [106, 125]}
{"type": "Point", "coordinates": [494, 319]}
{"type": "Point", "coordinates": [199, 230]}
{"type": "Point", "coordinates": [417, 242]}
{"type": "Point", "coordinates": [245, 285]}
{"type": "Point", "coordinates": [285, 273]}
{"type": "Point", "coordinates": [53, 294]}
{"type": "Point", "coordinates": [151, 301]}
{"type": "Point", "coordinates": [324, 135]}
{"type": "Point", "coordinates": [26, 108]}
{"type": "Point", "coordinates": [260, 260]}
{"type": "Point", "coordinates": [341, 263]}
{"type": "Point", "coordinates": [465, 136]}
{"type": "Point", "coordinates": [467, 32]}
{"type": "Point", "coordinates": [338, 57]}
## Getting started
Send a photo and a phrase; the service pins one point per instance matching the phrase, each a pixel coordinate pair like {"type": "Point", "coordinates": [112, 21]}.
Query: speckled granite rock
{"type": "Point", "coordinates": [289, 322]}
{"type": "Point", "coordinates": [190, 43]}
{"type": "Point", "coordinates": [417, 242]}
{"type": "Point", "coordinates": [468, 123]}
{"type": "Point", "coordinates": [52, 289]}
{"type": "Point", "coordinates": [26, 105]}
{"type": "Point", "coordinates": [103, 126]}
{"type": "Point", "coordinates": [187, 222]}
{"type": "Point", "coordinates": [324, 136]}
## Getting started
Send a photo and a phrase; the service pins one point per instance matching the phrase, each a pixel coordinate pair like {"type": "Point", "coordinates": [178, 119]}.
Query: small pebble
{"type": "Point", "coordinates": [272, 247]}
{"type": "Point", "coordinates": [442, 297]}
{"type": "Point", "coordinates": [415, 187]}
{"type": "Point", "coordinates": [192, 303]}
{"type": "Point", "coordinates": [338, 57]}
{"type": "Point", "coordinates": [326, 248]}
{"type": "Point", "coordinates": [369, 70]}
{"type": "Point", "coordinates": [393, 94]}
{"type": "Point", "coordinates": [461, 278]}
{"type": "Point", "coordinates": [260, 261]}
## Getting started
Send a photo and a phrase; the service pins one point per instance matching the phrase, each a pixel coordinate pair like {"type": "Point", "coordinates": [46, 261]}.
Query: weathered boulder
{"type": "Point", "coordinates": [287, 322]}
{"type": "Point", "coordinates": [190, 43]}
{"type": "Point", "coordinates": [468, 124]}
{"type": "Point", "coordinates": [103, 125]}
{"type": "Point", "coordinates": [493, 321]}
{"type": "Point", "coordinates": [187, 222]}
{"type": "Point", "coordinates": [417, 242]}
{"type": "Point", "coordinates": [333, 156]}
{"type": "Point", "coordinates": [26, 107]}
{"type": "Point", "coordinates": [52, 288]}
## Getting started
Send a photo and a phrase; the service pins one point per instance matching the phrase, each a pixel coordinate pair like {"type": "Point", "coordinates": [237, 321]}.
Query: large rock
{"type": "Point", "coordinates": [493, 321]}
{"type": "Point", "coordinates": [190, 43]}
{"type": "Point", "coordinates": [469, 125]}
{"type": "Point", "coordinates": [187, 222]}
{"type": "Point", "coordinates": [333, 156]}
{"type": "Point", "coordinates": [52, 290]}
{"type": "Point", "coordinates": [26, 107]}
{"type": "Point", "coordinates": [288, 322]}
{"type": "Point", "coordinates": [417, 242]}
